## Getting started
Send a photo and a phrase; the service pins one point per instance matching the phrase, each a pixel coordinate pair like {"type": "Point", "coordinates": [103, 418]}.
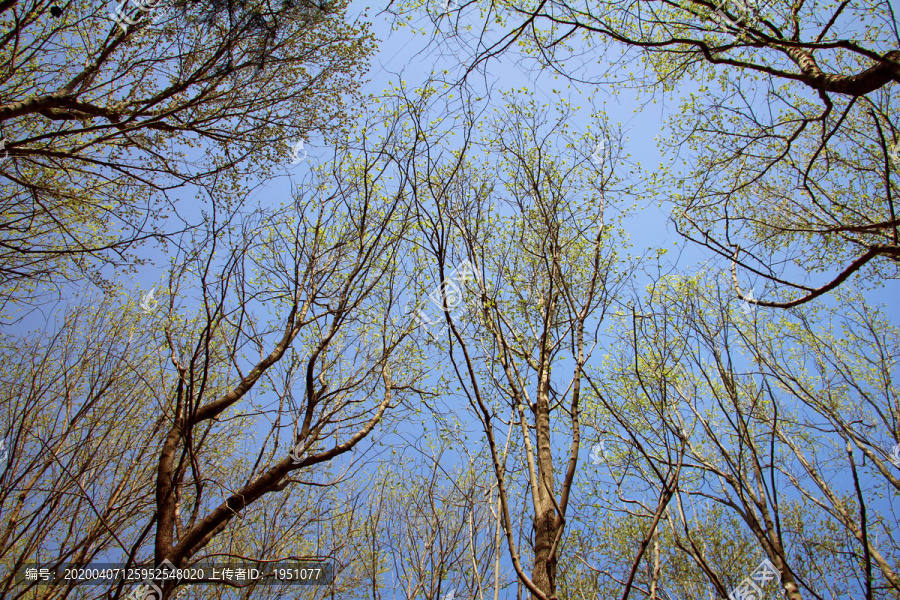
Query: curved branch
{"type": "Point", "coordinates": [856, 265]}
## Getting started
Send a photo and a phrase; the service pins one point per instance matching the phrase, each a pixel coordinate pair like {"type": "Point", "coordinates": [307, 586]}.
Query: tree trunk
{"type": "Point", "coordinates": [546, 521]}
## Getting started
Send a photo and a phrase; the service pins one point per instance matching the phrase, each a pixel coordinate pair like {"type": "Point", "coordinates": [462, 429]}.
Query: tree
{"type": "Point", "coordinates": [423, 527]}
{"type": "Point", "coordinates": [103, 122]}
{"type": "Point", "coordinates": [718, 464]}
{"type": "Point", "coordinates": [308, 289]}
{"type": "Point", "coordinates": [73, 478]}
{"type": "Point", "coordinates": [790, 165]}
{"type": "Point", "coordinates": [783, 418]}
{"type": "Point", "coordinates": [541, 239]}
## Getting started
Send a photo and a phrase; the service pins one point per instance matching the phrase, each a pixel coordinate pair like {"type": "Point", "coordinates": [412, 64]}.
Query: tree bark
{"type": "Point", "coordinates": [546, 523]}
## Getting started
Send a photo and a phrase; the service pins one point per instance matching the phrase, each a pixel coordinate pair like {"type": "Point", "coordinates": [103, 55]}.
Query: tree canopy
{"type": "Point", "coordinates": [447, 339]}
